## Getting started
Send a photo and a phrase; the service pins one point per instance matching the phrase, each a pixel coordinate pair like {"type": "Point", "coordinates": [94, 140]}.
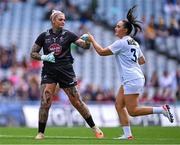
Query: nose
{"type": "Point", "coordinates": [63, 22]}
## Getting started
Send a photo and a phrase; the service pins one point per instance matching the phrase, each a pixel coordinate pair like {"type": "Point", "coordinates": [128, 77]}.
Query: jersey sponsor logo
{"type": "Point", "coordinates": [56, 48]}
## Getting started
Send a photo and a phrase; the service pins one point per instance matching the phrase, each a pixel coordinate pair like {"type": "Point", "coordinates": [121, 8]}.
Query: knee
{"type": "Point", "coordinates": [46, 99]}
{"type": "Point", "coordinates": [48, 93]}
{"type": "Point", "coordinates": [118, 105]}
{"type": "Point", "coordinates": [132, 112]}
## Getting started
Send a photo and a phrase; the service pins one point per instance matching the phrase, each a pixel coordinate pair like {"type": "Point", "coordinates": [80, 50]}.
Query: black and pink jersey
{"type": "Point", "coordinates": [59, 44]}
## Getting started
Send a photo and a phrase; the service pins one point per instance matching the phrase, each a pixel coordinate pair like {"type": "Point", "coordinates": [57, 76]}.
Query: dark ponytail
{"type": "Point", "coordinates": [132, 22]}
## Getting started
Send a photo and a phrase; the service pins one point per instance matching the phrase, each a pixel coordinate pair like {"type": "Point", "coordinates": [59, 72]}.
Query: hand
{"type": "Point", "coordinates": [85, 37]}
{"type": "Point", "coordinates": [90, 38]}
{"type": "Point", "coordinates": [49, 58]}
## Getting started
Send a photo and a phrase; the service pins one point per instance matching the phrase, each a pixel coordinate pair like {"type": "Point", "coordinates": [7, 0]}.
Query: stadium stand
{"type": "Point", "coordinates": [22, 21]}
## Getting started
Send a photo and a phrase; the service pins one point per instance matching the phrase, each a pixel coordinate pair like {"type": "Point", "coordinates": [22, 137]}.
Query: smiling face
{"type": "Point", "coordinates": [58, 20]}
{"type": "Point", "coordinates": [120, 31]}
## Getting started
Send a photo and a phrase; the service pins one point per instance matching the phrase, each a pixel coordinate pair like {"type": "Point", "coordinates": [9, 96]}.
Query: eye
{"type": "Point", "coordinates": [61, 19]}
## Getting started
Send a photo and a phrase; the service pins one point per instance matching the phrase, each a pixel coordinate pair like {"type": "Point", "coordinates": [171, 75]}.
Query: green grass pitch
{"type": "Point", "coordinates": [83, 135]}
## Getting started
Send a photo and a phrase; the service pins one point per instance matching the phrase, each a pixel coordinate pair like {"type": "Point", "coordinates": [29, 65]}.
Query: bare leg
{"type": "Point", "coordinates": [74, 98]}
{"type": "Point", "coordinates": [131, 102]}
{"type": "Point", "coordinates": [47, 91]}
{"type": "Point", "coordinates": [123, 114]}
{"type": "Point", "coordinates": [120, 108]}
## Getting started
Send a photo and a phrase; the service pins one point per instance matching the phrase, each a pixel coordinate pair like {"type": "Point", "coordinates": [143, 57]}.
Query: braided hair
{"type": "Point", "coordinates": [132, 22]}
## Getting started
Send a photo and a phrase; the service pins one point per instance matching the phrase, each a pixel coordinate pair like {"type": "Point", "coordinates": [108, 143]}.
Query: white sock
{"type": "Point", "coordinates": [158, 110]}
{"type": "Point", "coordinates": [127, 130]}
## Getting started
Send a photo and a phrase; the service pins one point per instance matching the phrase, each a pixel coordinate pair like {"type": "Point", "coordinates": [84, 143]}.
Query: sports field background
{"type": "Point", "coordinates": [21, 21]}
{"type": "Point", "coordinates": [83, 135]}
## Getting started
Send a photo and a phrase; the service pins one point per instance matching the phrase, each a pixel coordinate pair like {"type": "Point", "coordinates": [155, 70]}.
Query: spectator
{"type": "Point", "coordinates": [178, 93]}
{"type": "Point", "coordinates": [150, 34]}
{"type": "Point", "coordinates": [157, 97]}
{"type": "Point", "coordinates": [87, 93]}
{"type": "Point", "coordinates": [41, 3]}
{"type": "Point", "coordinates": [166, 80]}
{"type": "Point", "coordinates": [33, 90]}
{"type": "Point", "coordinates": [162, 30]}
{"type": "Point", "coordinates": [154, 82]}
{"type": "Point", "coordinates": [144, 98]}
{"type": "Point", "coordinates": [3, 6]}
{"type": "Point", "coordinates": [8, 90]}
{"type": "Point", "coordinates": [174, 28]}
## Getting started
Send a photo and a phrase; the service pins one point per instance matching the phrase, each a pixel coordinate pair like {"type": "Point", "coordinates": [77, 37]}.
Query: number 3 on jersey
{"type": "Point", "coordinates": [134, 55]}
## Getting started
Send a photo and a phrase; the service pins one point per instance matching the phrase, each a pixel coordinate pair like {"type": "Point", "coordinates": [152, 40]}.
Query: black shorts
{"type": "Point", "coordinates": [63, 75]}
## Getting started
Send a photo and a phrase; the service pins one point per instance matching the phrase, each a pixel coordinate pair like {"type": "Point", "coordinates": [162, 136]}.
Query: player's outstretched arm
{"type": "Point", "coordinates": [83, 42]}
{"type": "Point", "coordinates": [99, 49]}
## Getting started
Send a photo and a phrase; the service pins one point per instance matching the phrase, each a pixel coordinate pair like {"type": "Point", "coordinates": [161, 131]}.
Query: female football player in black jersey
{"type": "Point", "coordinates": [58, 69]}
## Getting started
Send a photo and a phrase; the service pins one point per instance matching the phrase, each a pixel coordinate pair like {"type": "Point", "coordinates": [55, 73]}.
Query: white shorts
{"type": "Point", "coordinates": [134, 86]}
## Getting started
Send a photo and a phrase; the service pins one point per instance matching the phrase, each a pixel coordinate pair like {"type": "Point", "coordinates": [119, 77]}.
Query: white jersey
{"type": "Point", "coordinates": [127, 51]}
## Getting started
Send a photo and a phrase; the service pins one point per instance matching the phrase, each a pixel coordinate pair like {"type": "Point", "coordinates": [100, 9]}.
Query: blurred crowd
{"type": "Point", "coordinates": [21, 80]}
{"type": "Point", "coordinates": [164, 88]}
{"type": "Point", "coordinates": [161, 37]}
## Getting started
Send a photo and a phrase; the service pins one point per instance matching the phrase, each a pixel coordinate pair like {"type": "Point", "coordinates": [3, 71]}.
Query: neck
{"type": "Point", "coordinates": [56, 30]}
{"type": "Point", "coordinates": [122, 36]}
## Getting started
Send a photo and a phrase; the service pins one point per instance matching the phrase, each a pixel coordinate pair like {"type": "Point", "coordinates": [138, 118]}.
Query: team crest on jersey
{"type": "Point", "coordinates": [56, 48]}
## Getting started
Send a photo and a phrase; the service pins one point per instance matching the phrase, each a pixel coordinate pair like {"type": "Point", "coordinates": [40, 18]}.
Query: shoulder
{"type": "Point", "coordinates": [72, 36]}
{"type": "Point", "coordinates": [42, 33]}
{"type": "Point", "coordinates": [45, 33]}
{"type": "Point", "coordinates": [116, 46]}
{"type": "Point", "coordinates": [118, 42]}
{"type": "Point", "coordinates": [68, 32]}
{"type": "Point", "coordinates": [41, 36]}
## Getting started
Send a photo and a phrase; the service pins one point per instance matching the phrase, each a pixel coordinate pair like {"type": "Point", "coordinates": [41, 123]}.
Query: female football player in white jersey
{"type": "Point", "coordinates": [129, 58]}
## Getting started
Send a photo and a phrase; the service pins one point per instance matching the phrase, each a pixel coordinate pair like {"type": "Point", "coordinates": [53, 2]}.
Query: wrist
{"type": "Point", "coordinates": [87, 46]}
{"type": "Point", "coordinates": [43, 57]}
{"type": "Point", "coordinates": [87, 42]}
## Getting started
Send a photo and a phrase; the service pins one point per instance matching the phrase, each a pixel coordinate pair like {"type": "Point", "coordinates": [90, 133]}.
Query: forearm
{"type": "Point", "coordinates": [83, 44]}
{"type": "Point", "coordinates": [97, 47]}
{"type": "Point", "coordinates": [35, 52]}
{"type": "Point", "coordinates": [35, 56]}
